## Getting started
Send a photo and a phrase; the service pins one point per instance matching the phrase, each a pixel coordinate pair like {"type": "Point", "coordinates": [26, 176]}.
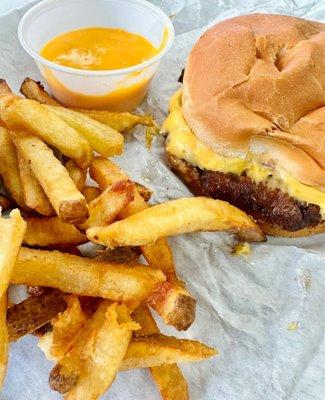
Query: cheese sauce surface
{"type": "Point", "coordinates": [98, 49]}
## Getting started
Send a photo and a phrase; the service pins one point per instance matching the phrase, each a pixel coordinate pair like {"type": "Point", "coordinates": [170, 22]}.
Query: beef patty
{"type": "Point", "coordinates": [264, 204]}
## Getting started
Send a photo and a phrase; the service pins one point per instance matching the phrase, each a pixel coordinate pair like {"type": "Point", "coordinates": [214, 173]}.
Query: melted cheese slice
{"type": "Point", "coordinates": [182, 143]}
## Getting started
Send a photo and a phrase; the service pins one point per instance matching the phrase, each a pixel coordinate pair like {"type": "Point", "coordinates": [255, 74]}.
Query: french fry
{"type": "Point", "coordinates": [12, 231]}
{"type": "Point", "coordinates": [4, 341]}
{"type": "Point", "coordinates": [90, 193]}
{"type": "Point", "coordinates": [35, 91]}
{"type": "Point", "coordinates": [149, 351]}
{"type": "Point", "coordinates": [106, 173]}
{"type": "Point", "coordinates": [34, 195]}
{"type": "Point", "coordinates": [6, 203]}
{"type": "Point", "coordinates": [169, 378]}
{"type": "Point", "coordinates": [51, 232]}
{"type": "Point", "coordinates": [7, 97]}
{"type": "Point", "coordinates": [90, 367]}
{"type": "Point", "coordinates": [34, 312]}
{"type": "Point", "coordinates": [85, 277]}
{"type": "Point", "coordinates": [77, 174]}
{"type": "Point", "coordinates": [42, 122]}
{"type": "Point", "coordinates": [171, 300]}
{"type": "Point", "coordinates": [143, 317]}
{"type": "Point", "coordinates": [122, 122]}
{"type": "Point", "coordinates": [119, 255]}
{"type": "Point", "coordinates": [67, 201]}
{"type": "Point", "coordinates": [156, 350]}
{"type": "Point", "coordinates": [171, 382]}
{"type": "Point", "coordinates": [176, 217]}
{"type": "Point", "coordinates": [65, 326]}
{"type": "Point", "coordinates": [143, 191]}
{"type": "Point", "coordinates": [105, 208]}
{"type": "Point", "coordinates": [102, 138]}
{"type": "Point", "coordinates": [9, 168]}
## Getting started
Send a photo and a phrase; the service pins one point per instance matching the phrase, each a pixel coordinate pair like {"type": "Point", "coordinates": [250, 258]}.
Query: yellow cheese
{"type": "Point", "coordinates": [182, 143]}
{"type": "Point", "coordinates": [241, 249]}
{"type": "Point", "coordinates": [98, 48]}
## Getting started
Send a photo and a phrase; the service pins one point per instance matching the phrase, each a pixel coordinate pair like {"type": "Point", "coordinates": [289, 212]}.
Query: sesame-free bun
{"type": "Point", "coordinates": [258, 76]}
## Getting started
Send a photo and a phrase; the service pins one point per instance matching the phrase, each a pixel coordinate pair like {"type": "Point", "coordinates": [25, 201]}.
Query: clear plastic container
{"type": "Point", "coordinates": [120, 89]}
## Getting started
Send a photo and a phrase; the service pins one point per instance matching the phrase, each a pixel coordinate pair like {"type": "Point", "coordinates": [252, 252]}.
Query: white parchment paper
{"type": "Point", "coordinates": [246, 306]}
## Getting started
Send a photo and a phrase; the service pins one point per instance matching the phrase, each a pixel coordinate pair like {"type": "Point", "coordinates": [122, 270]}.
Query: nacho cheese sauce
{"type": "Point", "coordinates": [98, 49]}
{"type": "Point", "coordinates": [102, 49]}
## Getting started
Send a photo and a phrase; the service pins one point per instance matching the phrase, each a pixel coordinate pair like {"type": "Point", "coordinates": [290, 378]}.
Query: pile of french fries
{"type": "Point", "coordinates": [92, 314]}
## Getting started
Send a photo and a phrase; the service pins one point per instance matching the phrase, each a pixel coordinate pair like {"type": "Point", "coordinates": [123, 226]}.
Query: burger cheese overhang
{"type": "Point", "coordinates": [182, 143]}
{"type": "Point", "coordinates": [253, 104]}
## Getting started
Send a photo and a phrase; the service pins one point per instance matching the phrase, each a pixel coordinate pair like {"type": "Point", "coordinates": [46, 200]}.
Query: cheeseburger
{"type": "Point", "coordinates": [248, 124]}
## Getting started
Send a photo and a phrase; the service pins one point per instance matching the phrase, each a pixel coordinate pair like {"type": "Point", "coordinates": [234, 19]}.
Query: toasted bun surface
{"type": "Point", "coordinates": [261, 75]}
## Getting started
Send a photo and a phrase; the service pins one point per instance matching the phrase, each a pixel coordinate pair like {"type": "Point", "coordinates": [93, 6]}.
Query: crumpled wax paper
{"type": "Point", "coordinates": [265, 312]}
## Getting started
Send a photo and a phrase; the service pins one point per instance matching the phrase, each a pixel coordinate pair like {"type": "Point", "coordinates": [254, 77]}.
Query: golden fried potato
{"type": "Point", "coordinates": [105, 208]}
{"type": "Point", "coordinates": [9, 169]}
{"type": "Point", "coordinates": [120, 121]}
{"type": "Point", "coordinates": [172, 301]}
{"type": "Point", "coordinates": [91, 365]}
{"type": "Point", "coordinates": [85, 277]}
{"type": "Point", "coordinates": [102, 138]}
{"type": "Point", "coordinates": [174, 304]}
{"type": "Point", "coordinates": [155, 350]}
{"type": "Point", "coordinates": [77, 174]}
{"type": "Point", "coordinates": [45, 124]}
{"type": "Point", "coordinates": [175, 217]}
{"type": "Point", "coordinates": [65, 326]}
{"type": "Point", "coordinates": [34, 195]}
{"type": "Point", "coordinates": [67, 201]}
{"type": "Point", "coordinates": [169, 378]}
{"type": "Point", "coordinates": [143, 191]}
{"type": "Point", "coordinates": [4, 341]}
{"type": "Point", "coordinates": [119, 255]}
{"type": "Point", "coordinates": [12, 232]}
{"type": "Point", "coordinates": [91, 193]}
{"type": "Point", "coordinates": [35, 91]}
{"type": "Point", "coordinates": [143, 317]}
{"type": "Point", "coordinates": [170, 381]}
{"type": "Point", "coordinates": [34, 312]}
{"type": "Point", "coordinates": [159, 254]}
{"type": "Point", "coordinates": [106, 173]}
{"type": "Point", "coordinates": [51, 232]}
{"type": "Point", "coordinates": [6, 96]}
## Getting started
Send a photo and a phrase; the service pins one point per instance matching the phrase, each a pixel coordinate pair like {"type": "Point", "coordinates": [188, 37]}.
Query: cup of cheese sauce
{"type": "Point", "coordinates": [99, 54]}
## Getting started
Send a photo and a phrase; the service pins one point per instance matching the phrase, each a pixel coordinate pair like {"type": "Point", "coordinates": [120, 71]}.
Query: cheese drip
{"type": "Point", "coordinates": [182, 143]}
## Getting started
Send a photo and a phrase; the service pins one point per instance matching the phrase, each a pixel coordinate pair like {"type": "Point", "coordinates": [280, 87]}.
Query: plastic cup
{"type": "Point", "coordinates": [120, 89]}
